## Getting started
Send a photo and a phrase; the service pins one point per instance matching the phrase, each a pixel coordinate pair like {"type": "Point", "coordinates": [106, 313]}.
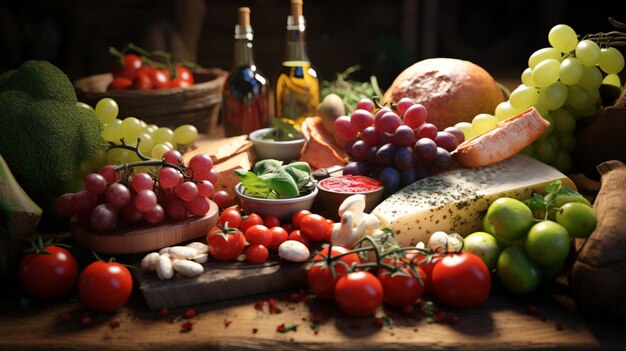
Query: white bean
{"type": "Point", "coordinates": [201, 258]}
{"type": "Point", "coordinates": [200, 247]}
{"type": "Point", "coordinates": [164, 267]}
{"type": "Point", "coordinates": [294, 251]}
{"type": "Point", "coordinates": [148, 263]}
{"type": "Point", "coordinates": [184, 252]}
{"type": "Point", "coordinates": [188, 268]}
{"type": "Point", "coordinates": [164, 250]}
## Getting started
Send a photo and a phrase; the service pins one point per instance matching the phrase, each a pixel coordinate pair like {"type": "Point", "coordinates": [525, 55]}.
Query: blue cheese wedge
{"type": "Point", "coordinates": [456, 201]}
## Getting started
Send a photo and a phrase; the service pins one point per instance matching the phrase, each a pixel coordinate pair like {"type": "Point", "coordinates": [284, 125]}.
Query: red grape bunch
{"type": "Point", "coordinates": [174, 191]}
{"type": "Point", "coordinates": [398, 146]}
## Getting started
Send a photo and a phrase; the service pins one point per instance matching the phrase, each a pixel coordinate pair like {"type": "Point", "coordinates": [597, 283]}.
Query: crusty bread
{"type": "Point", "coordinates": [503, 141]}
{"type": "Point", "coordinates": [452, 90]}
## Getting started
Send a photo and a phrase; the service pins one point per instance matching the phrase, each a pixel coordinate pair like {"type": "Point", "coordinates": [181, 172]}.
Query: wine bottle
{"type": "Point", "coordinates": [297, 85]}
{"type": "Point", "coordinates": [246, 90]}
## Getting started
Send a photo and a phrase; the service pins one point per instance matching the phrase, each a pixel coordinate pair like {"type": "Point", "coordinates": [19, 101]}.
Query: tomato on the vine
{"type": "Point", "coordinates": [297, 217]}
{"type": "Point", "coordinates": [257, 253]}
{"type": "Point", "coordinates": [120, 83]}
{"type": "Point", "coordinates": [181, 77]}
{"type": "Point", "coordinates": [320, 277]}
{"type": "Point", "coordinates": [225, 244]}
{"type": "Point", "coordinates": [50, 274]}
{"type": "Point", "coordinates": [461, 280]}
{"type": "Point", "coordinates": [105, 286]}
{"type": "Point", "coordinates": [314, 227]}
{"type": "Point", "coordinates": [230, 216]}
{"type": "Point", "coordinates": [271, 221]}
{"type": "Point", "coordinates": [258, 234]}
{"type": "Point", "coordinates": [132, 64]}
{"type": "Point", "coordinates": [359, 294]}
{"type": "Point", "coordinates": [249, 221]}
{"type": "Point", "coordinates": [402, 288]}
{"type": "Point", "coordinates": [427, 265]}
{"type": "Point", "coordinates": [142, 80]}
{"type": "Point", "coordinates": [279, 235]}
{"type": "Point", "coordinates": [297, 236]}
{"type": "Point", "coordinates": [160, 78]}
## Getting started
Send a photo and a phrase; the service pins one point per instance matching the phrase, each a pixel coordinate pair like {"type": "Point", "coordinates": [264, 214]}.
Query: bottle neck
{"type": "Point", "coordinates": [243, 53]}
{"type": "Point", "coordinates": [296, 43]}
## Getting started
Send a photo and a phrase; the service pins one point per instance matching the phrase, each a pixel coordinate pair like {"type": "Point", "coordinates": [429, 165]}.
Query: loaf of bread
{"type": "Point", "coordinates": [506, 139]}
{"type": "Point", "coordinates": [452, 90]}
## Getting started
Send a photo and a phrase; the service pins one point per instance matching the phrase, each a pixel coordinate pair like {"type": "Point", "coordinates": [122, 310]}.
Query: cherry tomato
{"type": "Point", "coordinates": [461, 280]}
{"type": "Point", "coordinates": [132, 64]}
{"type": "Point", "coordinates": [232, 216]}
{"type": "Point", "coordinates": [288, 227]}
{"type": "Point", "coordinates": [184, 74]}
{"type": "Point", "coordinates": [402, 288]}
{"type": "Point", "coordinates": [225, 245]}
{"type": "Point", "coordinates": [427, 267]}
{"type": "Point", "coordinates": [279, 235]}
{"type": "Point", "coordinates": [297, 236]}
{"type": "Point", "coordinates": [258, 234]}
{"type": "Point", "coordinates": [320, 277]}
{"type": "Point", "coordinates": [105, 286]}
{"type": "Point", "coordinates": [251, 220]}
{"type": "Point", "coordinates": [48, 276]}
{"type": "Point", "coordinates": [271, 221]}
{"type": "Point", "coordinates": [142, 81]}
{"type": "Point", "coordinates": [160, 79]}
{"type": "Point", "coordinates": [257, 253]}
{"type": "Point", "coordinates": [359, 294]}
{"type": "Point", "coordinates": [297, 217]}
{"type": "Point", "coordinates": [179, 83]}
{"type": "Point", "coordinates": [314, 227]}
{"type": "Point", "coordinates": [120, 83]}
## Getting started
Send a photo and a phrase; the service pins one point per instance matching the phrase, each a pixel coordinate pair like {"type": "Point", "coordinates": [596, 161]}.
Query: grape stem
{"type": "Point", "coordinates": [145, 160]}
{"type": "Point", "coordinates": [613, 38]}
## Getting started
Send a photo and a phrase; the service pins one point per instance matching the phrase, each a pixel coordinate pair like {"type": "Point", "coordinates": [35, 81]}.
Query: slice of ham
{"type": "Point", "coordinates": [320, 150]}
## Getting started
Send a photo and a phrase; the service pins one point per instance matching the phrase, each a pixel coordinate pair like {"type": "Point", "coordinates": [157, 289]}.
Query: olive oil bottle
{"type": "Point", "coordinates": [245, 97]}
{"type": "Point", "coordinates": [297, 86]}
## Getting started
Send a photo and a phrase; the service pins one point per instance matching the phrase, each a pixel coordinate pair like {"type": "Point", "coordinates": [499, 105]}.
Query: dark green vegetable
{"type": "Point", "coordinates": [272, 180]}
{"type": "Point", "coordinates": [284, 130]}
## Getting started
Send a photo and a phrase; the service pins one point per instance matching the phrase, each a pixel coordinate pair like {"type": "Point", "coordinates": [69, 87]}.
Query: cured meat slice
{"type": "Point", "coordinates": [319, 150]}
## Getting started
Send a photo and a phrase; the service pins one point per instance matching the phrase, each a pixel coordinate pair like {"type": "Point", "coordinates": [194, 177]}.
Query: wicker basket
{"type": "Point", "coordinates": [198, 105]}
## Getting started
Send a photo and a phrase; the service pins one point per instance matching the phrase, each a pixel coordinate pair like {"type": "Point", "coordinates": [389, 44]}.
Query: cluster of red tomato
{"type": "Point", "coordinates": [227, 240]}
{"type": "Point", "coordinates": [136, 74]}
{"type": "Point", "coordinates": [459, 280]}
{"type": "Point", "coordinates": [52, 273]}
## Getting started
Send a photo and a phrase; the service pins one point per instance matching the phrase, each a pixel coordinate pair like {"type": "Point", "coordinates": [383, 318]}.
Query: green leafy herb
{"type": "Point", "coordinates": [556, 194]}
{"type": "Point", "coordinates": [351, 91]}
{"type": "Point", "coordinates": [271, 179]}
{"type": "Point", "coordinates": [283, 130]}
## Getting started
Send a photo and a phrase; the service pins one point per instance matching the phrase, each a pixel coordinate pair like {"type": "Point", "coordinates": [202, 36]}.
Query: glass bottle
{"type": "Point", "coordinates": [297, 85]}
{"type": "Point", "coordinates": [246, 90]}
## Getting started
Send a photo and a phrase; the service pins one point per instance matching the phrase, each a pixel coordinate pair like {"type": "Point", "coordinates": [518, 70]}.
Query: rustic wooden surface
{"type": "Point", "coordinates": [502, 323]}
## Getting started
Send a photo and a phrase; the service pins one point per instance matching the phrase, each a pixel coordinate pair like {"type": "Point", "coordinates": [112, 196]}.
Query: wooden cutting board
{"type": "Point", "coordinates": [222, 281]}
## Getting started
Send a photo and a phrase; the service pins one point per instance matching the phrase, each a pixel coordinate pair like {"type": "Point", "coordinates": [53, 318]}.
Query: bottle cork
{"type": "Point", "coordinates": [296, 8]}
{"type": "Point", "coordinates": [244, 17]}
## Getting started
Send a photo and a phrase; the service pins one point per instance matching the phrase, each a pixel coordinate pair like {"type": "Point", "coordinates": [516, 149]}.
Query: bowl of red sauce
{"type": "Point", "coordinates": [333, 190]}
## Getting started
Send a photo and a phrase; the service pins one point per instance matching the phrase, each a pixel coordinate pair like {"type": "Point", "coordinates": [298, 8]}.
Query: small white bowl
{"type": "Point", "coordinates": [281, 208]}
{"type": "Point", "coordinates": [278, 150]}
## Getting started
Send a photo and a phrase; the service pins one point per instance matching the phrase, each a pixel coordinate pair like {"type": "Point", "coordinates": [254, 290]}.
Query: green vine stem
{"type": "Point", "coordinates": [613, 38]}
{"type": "Point", "coordinates": [144, 160]}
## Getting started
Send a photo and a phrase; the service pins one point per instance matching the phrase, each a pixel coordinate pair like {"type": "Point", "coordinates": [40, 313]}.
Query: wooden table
{"type": "Point", "coordinates": [502, 323]}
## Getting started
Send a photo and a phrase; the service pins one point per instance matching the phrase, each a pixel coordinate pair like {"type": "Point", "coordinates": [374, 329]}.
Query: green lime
{"type": "Point", "coordinates": [508, 219]}
{"type": "Point", "coordinates": [485, 246]}
{"type": "Point", "coordinates": [548, 243]}
{"type": "Point", "coordinates": [517, 272]}
{"type": "Point", "coordinates": [578, 218]}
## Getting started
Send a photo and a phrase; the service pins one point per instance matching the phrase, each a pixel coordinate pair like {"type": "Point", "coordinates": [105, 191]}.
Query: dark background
{"type": "Point", "coordinates": [383, 36]}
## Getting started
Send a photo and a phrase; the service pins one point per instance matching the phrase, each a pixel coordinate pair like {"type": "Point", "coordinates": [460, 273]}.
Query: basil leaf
{"type": "Point", "coordinates": [253, 185]}
{"type": "Point", "coordinates": [301, 178]}
{"type": "Point", "coordinates": [267, 166]}
{"type": "Point", "coordinates": [301, 165]}
{"type": "Point", "coordinates": [281, 183]}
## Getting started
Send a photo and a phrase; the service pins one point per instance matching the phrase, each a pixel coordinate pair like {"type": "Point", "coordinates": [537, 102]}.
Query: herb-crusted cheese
{"type": "Point", "coordinates": [455, 201]}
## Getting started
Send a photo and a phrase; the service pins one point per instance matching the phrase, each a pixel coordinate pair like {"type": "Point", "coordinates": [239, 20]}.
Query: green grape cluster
{"type": "Point", "coordinates": [562, 82]}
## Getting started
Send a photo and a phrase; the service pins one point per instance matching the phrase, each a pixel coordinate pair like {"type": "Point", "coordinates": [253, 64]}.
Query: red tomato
{"type": "Point", "coordinates": [461, 280]}
{"type": "Point", "coordinates": [120, 83]}
{"type": "Point", "coordinates": [427, 268]}
{"type": "Point", "coordinates": [132, 64]}
{"type": "Point", "coordinates": [401, 289]}
{"type": "Point", "coordinates": [48, 276]}
{"type": "Point", "coordinates": [320, 277]}
{"type": "Point", "coordinates": [160, 79]}
{"type": "Point", "coordinates": [279, 236]}
{"type": "Point", "coordinates": [297, 236]}
{"type": "Point", "coordinates": [179, 83]}
{"type": "Point", "coordinates": [288, 227]}
{"type": "Point", "coordinates": [314, 227]}
{"type": "Point", "coordinates": [271, 221]}
{"type": "Point", "coordinates": [184, 74]}
{"type": "Point", "coordinates": [251, 220]}
{"type": "Point", "coordinates": [297, 217]}
{"type": "Point", "coordinates": [232, 216]}
{"type": "Point", "coordinates": [142, 80]}
{"type": "Point", "coordinates": [258, 234]}
{"type": "Point", "coordinates": [257, 253]}
{"type": "Point", "coordinates": [225, 245]}
{"type": "Point", "coordinates": [359, 294]}
{"type": "Point", "coordinates": [105, 286]}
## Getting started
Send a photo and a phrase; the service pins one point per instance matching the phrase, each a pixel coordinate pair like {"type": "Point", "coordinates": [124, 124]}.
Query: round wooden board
{"type": "Point", "coordinates": [137, 239]}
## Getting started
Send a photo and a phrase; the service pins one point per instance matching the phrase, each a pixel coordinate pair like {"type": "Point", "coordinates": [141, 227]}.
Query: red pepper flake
{"type": "Point", "coordinates": [532, 310]}
{"type": "Point", "coordinates": [271, 302]}
{"type": "Point", "coordinates": [259, 305]}
{"type": "Point", "coordinates": [255, 330]}
{"type": "Point", "coordinates": [114, 324]}
{"type": "Point", "coordinates": [284, 329]}
{"type": "Point", "coordinates": [558, 326]}
{"type": "Point", "coordinates": [378, 323]}
{"type": "Point", "coordinates": [164, 312]}
{"type": "Point", "coordinates": [65, 317]}
{"type": "Point", "coordinates": [189, 313]}
{"type": "Point", "coordinates": [415, 330]}
{"type": "Point", "coordinates": [186, 327]}
{"type": "Point", "coordinates": [275, 310]}
{"type": "Point", "coordinates": [227, 323]}
{"type": "Point", "coordinates": [86, 321]}
{"type": "Point", "coordinates": [453, 319]}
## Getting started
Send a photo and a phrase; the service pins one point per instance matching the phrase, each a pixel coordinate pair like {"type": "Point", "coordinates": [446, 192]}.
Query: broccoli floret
{"type": "Point", "coordinates": [45, 134]}
{"type": "Point", "coordinates": [41, 80]}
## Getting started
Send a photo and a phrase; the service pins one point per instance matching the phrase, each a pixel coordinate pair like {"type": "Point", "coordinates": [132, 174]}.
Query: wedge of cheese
{"type": "Point", "coordinates": [455, 201]}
